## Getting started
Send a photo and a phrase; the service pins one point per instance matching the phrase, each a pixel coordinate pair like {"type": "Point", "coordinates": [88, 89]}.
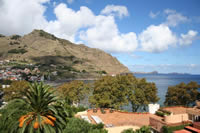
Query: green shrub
{"type": "Point", "coordinates": [2, 35]}
{"type": "Point", "coordinates": [159, 113]}
{"type": "Point", "coordinates": [130, 130]}
{"type": "Point", "coordinates": [101, 72]}
{"type": "Point", "coordinates": [76, 125]}
{"type": "Point", "coordinates": [165, 111]}
{"type": "Point", "coordinates": [83, 71]}
{"type": "Point", "coordinates": [47, 35]}
{"type": "Point", "coordinates": [15, 37]}
{"type": "Point", "coordinates": [17, 51]}
{"type": "Point", "coordinates": [167, 129]}
{"type": "Point", "coordinates": [143, 129]}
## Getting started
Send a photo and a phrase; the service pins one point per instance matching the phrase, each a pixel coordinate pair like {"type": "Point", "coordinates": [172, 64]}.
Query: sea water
{"type": "Point", "coordinates": [162, 81]}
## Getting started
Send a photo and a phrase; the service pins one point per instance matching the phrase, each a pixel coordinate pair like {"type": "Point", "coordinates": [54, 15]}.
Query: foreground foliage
{"type": "Point", "coordinates": [41, 113]}
{"type": "Point", "coordinates": [76, 125]}
{"type": "Point", "coordinates": [182, 94]}
{"type": "Point", "coordinates": [11, 114]}
{"type": "Point", "coordinates": [143, 129]}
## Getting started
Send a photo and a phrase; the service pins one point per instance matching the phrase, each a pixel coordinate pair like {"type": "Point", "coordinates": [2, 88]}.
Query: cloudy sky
{"type": "Point", "coordinates": [145, 35]}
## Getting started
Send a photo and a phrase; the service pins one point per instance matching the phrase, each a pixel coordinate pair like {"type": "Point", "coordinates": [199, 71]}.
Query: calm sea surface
{"type": "Point", "coordinates": [162, 81]}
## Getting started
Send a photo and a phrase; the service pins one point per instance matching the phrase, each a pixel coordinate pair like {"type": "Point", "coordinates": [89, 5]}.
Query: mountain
{"type": "Point", "coordinates": [44, 49]}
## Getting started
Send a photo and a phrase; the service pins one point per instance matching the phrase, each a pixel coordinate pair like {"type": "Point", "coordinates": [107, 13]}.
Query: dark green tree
{"type": "Point", "coordinates": [182, 94]}
{"type": "Point", "coordinates": [142, 94]}
{"type": "Point", "coordinates": [114, 92]}
{"type": "Point", "coordinates": [109, 92]}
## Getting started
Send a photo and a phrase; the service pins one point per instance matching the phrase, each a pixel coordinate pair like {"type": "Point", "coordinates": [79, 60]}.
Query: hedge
{"type": "Point", "coordinates": [167, 129]}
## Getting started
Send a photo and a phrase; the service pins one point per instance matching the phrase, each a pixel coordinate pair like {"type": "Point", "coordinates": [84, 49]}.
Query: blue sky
{"type": "Point", "coordinates": [144, 35]}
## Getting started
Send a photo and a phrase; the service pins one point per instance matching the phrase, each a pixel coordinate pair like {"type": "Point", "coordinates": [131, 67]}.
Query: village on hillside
{"type": "Point", "coordinates": [8, 72]}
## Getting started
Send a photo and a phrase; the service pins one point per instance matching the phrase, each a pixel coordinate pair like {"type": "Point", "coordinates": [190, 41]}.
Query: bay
{"type": "Point", "coordinates": [162, 81]}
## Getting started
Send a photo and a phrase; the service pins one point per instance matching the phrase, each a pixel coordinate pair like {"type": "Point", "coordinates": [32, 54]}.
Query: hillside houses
{"type": "Point", "coordinates": [15, 74]}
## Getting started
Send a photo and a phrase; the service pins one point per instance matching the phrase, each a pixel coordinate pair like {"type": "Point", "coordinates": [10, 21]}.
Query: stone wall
{"type": "Point", "coordinates": [178, 118]}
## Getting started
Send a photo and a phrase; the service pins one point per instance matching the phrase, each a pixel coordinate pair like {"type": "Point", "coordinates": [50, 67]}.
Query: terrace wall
{"type": "Point", "coordinates": [178, 118]}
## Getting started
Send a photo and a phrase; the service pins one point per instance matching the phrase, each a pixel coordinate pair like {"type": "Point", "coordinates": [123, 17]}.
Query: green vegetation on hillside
{"type": "Point", "coordinates": [47, 35]}
{"type": "Point", "coordinates": [2, 35]}
{"type": "Point", "coordinates": [15, 37]}
{"type": "Point", "coordinates": [17, 51]}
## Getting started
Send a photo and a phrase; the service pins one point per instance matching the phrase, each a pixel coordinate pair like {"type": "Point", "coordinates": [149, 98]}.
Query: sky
{"type": "Point", "coordinates": [144, 35]}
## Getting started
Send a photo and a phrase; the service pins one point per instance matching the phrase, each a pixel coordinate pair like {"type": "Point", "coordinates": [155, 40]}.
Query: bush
{"type": "Point", "coordinates": [130, 130]}
{"type": "Point", "coordinates": [17, 51]}
{"type": "Point", "coordinates": [47, 35]}
{"type": "Point", "coordinates": [143, 129]}
{"type": "Point", "coordinates": [167, 129]}
{"type": "Point", "coordinates": [160, 113]}
{"type": "Point", "coordinates": [2, 35]}
{"type": "Point", "coordinates": [76, 125]}
{"type": "Point", "coordinates": [15, 37]}
{"type": "Point", "coordinates": [83, 71]}
{"type": "Point", "coordinates": [165, 111]}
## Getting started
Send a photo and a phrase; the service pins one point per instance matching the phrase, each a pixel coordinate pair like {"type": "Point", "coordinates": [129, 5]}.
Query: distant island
{"type": "Point", "coordinates": [156, 72]}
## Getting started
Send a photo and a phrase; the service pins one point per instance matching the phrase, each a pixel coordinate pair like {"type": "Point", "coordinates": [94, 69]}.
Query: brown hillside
{"type": "Point", "coordinates": [44, 48]}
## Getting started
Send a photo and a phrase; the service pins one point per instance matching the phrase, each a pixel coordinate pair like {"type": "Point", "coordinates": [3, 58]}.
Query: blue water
{"type": "Point", "coordinates": [162, 81]}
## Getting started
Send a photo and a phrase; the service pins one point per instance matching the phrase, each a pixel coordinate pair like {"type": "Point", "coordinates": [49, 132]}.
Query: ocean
{"type": "Point", "coordinates": [162, 81]}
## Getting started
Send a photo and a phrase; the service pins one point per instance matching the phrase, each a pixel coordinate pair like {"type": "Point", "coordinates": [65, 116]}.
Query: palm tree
{"type": "Point", "coordinates": [43, 115]}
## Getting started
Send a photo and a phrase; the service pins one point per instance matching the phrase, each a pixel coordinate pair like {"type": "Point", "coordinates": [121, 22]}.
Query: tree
{"type": "Point", "coordinates": [114, 92]}
{"type": "Point", "coordinates": [15, 90]}
{"type": "Point", "coordinates": [42, 114]}
{"type": "Point", "coordinates": [74, 91]}
{"type": "Point", "coordinates": [143, 94]}
{"type": "Point", "coordinates": [109, 92]}
{"type": "Point", "coordinates": [182, 94]}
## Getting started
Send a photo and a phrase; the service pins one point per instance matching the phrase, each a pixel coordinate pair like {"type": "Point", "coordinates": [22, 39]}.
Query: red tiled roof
{"type": "Point", "coordinates": [192, 129]}
{"type": "Point", "coordinates": [118, 118]}
{"type": "Point", "coordinates": [182, 131]}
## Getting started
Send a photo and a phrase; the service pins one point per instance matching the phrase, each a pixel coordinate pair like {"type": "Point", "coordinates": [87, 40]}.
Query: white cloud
{"type": "Point", "coordinates": [70, 1]}
{"type": "Point", "coordinates": [186, 39]}
{"type": "Point", "coordinates": [157, 38]}
{"type": "Point", "coordinates": [68, 21]}
{"type": "Point", "coordinates": [114, 10]}
{"type": "Point", "coordinates": [105, 35]}
{"type": "Point", "coordinates": [174, 18]}
{"type": "Point", "coordinates": [153, 15]}
{"type": "Point", "coordinates": [21, 16]}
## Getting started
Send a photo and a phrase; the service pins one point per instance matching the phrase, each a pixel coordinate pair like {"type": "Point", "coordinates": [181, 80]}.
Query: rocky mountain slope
{"type": "Point", "coordinates": [45, 49]}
